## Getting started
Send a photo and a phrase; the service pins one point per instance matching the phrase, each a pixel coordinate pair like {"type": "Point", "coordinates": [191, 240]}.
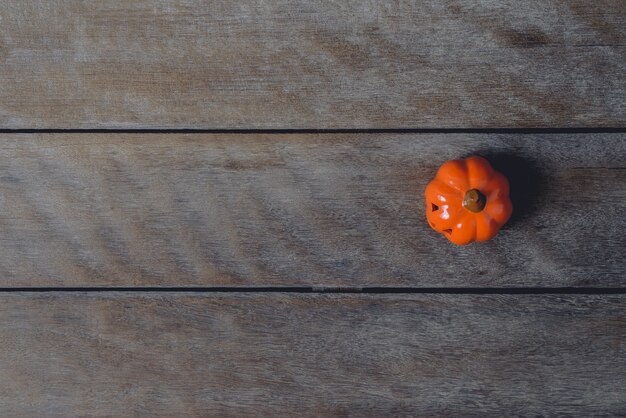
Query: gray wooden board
{"type": "Point", "coordinates": [312, 64]}
{"type": "Point", "coordinates": [300, 210]}
{"type": "Point", "coordinates": [240, 355]}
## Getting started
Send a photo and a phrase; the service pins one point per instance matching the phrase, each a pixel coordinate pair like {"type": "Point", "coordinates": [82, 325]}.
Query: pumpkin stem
{"type": "Point", "coordinates": [474, 201]}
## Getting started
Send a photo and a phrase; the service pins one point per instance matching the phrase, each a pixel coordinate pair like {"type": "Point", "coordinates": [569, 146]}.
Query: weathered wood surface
{"type": "Point", "coordinates": [312, 64]}
{"type": "Point", "coordinates": [289, 210]}
{"type": "Point", "coordinates": [315, 355]}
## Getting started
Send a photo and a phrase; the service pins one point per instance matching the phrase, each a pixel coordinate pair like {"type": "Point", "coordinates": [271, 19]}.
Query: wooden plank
{"type": "Point", "coordinates": [309, 210]}
{"type": "Point", "coordinates": [312, 64]}
{"type": "Point", "coordinates": [311, 355]}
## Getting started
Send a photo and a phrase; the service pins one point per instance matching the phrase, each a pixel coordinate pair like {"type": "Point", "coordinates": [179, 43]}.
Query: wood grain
{"type": "Point", "coordinates": [312, 64]}
{"type": "Point", "coordinates": [300, 210]}
{"type": "Point", "coordinates": [123, 354]}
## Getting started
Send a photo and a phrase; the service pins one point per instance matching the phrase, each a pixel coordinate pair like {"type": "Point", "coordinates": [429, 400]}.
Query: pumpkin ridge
{"type": "Point", "coordinates": [486, 227]}
{"type": "Point", "coordinates": [450, 190]}
{"type": "Point", "coordinates": [454, 174]}
{"type": "Point", "coordinates": [501, 205]}
{"type": "Point", "coordinates": [479, 172]}
{"type": "Point", "coordinates": [466, 233]}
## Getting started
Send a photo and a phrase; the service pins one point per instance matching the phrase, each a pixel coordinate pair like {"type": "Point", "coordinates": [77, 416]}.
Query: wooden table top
{"type": "Point", "coordinates": [216, 208]}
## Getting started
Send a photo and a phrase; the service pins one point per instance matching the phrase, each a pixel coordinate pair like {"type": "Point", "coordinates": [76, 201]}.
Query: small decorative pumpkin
{"type": "Point", "coordinates": [468, 201]}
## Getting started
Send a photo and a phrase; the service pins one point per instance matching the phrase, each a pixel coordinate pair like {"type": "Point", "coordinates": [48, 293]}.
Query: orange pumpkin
{"type": "Point", "coordinates": [468, 201]}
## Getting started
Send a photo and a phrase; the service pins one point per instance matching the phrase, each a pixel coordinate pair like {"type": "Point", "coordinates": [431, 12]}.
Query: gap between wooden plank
{"type": "Point", "coordinates": [597, 130]}
{"type": "Point", "coordinates": [334, 290]}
